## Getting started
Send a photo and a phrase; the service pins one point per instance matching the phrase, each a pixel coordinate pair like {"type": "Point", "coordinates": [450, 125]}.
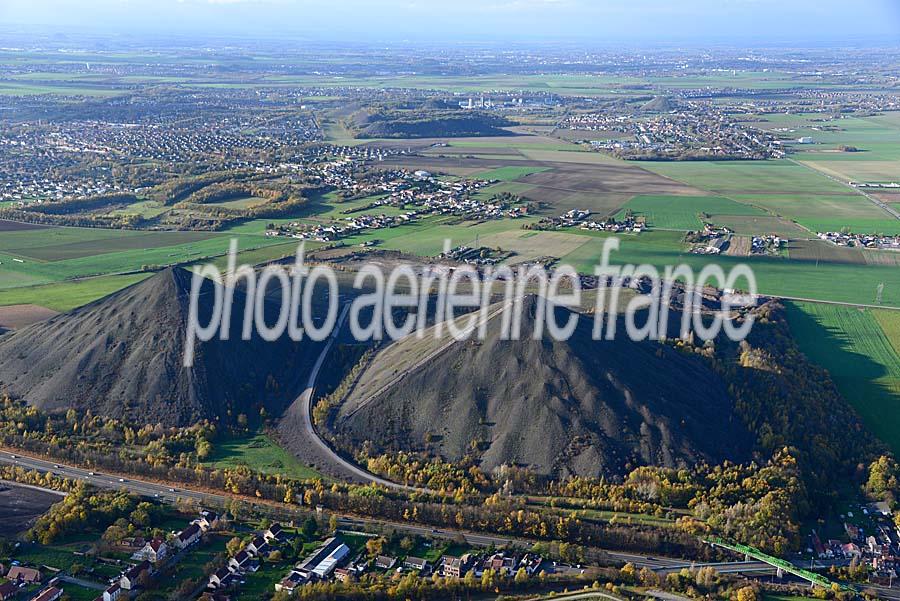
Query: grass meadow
{"type": "Point", "coordinates": [261, 454]}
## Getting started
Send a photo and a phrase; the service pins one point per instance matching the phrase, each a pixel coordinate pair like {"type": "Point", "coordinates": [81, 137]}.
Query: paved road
{"type": "Point", "coordinates": [166, 493]}
{"type": "Point", "coordinates": [170, 494]}
{"type": "Point", "coordinates": [102, 480]}
{"type": "Point", "coordinates": [307, 443]}
{"type": "Point", "coordinates": [303, 403]}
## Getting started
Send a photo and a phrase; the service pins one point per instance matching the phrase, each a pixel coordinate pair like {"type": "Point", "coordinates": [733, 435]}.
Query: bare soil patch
{"type": "Point", "coordinates": [16, 317]}
{"type": "Point", "coordinates": [15, 226]}
{"type": "Point", "coordinates": [738, 246]}
{"type": "Point", "coordinates": [819, 250]}
{"type": "Point", "coordinates": [21, 505]}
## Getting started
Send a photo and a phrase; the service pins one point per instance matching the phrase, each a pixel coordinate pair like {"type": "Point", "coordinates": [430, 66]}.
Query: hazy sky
{"type": "Point", "coordinates": [640, 21]}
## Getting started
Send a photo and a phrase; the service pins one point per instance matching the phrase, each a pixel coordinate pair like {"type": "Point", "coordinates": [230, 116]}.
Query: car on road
{"type": "Point", "coordinates": [121, 479]}
{"type": "Point", "coordinates": [56, 466]}
{"type": "Point", "coordinates": [90, 473]}
{"type": "Point", "coordinates": [14, 456]}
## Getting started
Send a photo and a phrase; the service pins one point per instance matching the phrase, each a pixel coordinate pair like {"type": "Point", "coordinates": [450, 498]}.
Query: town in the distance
{"type": "Point", "coordinates": [143, 151]}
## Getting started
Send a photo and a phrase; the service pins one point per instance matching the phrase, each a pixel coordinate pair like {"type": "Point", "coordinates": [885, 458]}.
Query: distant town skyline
{"type": "Point", "coordinates": [601, 22]}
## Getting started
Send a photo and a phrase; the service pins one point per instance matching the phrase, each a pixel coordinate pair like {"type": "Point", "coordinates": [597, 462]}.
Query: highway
{"type": "Point", "coordinates": [168, 493]}
{"type": "Point", "coordinates": [164, 492]}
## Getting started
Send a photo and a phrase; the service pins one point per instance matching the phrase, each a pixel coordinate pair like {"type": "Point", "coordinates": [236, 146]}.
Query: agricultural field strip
{"type": "Point", "coordinates": [854, 346]}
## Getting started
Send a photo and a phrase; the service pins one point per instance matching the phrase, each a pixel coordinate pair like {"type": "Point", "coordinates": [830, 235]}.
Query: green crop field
{"type": "Point", "coordinates": [775, 276]}
{"type": "Point", "coordinates": [683, 212]}
{"type": "Point", "coordinates": [890, 324]}
{"type": "Point", "coordinates": [876, 139]}
{"type": "Point", "coordinates": [784, 188]}
{"type": "Point", "coordinates": [821, 213]}
{"type": "Point", "coordinates": [852, 345]}
{"type": "Point", "coordinates": [747, 177]}
{"type": "Point", "coordinates": [44, 246]}
{"type": "Point", "coordinates": [14, 271]}
{"type": "Point", "coordinates": [261, 454]}
{"type": "Point", "coordinates": [64, 296]}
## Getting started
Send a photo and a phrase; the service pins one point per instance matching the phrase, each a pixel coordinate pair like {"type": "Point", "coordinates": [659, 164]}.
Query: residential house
{"type": "Point", "coordinates": [531, 563]}
{"type": "Point", "coordinates": [274, 533]}
{"type": "Point", "coordinates": [291, 582]}
{"type": "Point", "coordinates": [208, 520]}
{"type": "Point", "coordinates": [851, 550]}
{"type": "Point", "coordinates": [416, 563]}
{"type": "Point", "coordinates": [132, 575]}
{"type": "Point", "coordinates": [852, 531]}
{"type": "Point", "coordinates": [131, 544]}
{"type": "Point", "coordinates": [21, 574]}
{"type": "Point", "coordinates": [243, 562]}
{"type": "Point", "coordinates": [222, 578]}
{"type": "Point", "coordinates": [51, 593]}
{"type": "Point", "coordinates": [188, 536]}
{"type": "Point", "coordinates": [343, 575]}
{"type": "Point", "coordinates": [456, 567]}
{"type": "Point", "coordinates": [385, 562]}
{"type": "Point", "coordinates": [258, 546]}
{"type": "Point", "coordinates": [112, 593]}
{"type": "Point", "coordinates": [154, 551]}
{"type": "Point", "coordinates": [500, 563]}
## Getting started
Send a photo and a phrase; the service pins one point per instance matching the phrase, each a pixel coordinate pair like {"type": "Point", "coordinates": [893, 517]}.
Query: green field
{"type": "Point", "coordinates": [784, 188]}
{"type": "Point", "coordinates": [147, 209]}
{"type": "Point", "coordinates": [877, 140]}
{"type": "Point", "coordinates": [683, 212]}
{"type": "Point", "coordinates": [65, 296]}
{"type": "Point", "coordinates": [826, 213]}
{"type": "Point", "coordinates": [79, 593]}
{"type": "Point", "coordinates": [890, 324]}
{"type": "Point", "coordinates": [245, 202]}
{"type": "Point", "coordinates": [747, 177]}
{"type": "Point", "coordinates": [59, 244]}
{"type": "Point", "coordinates": [259, 453]}
{"type": "Point", "coordinates": [113, 252]}
{"type": "Point", "coordinates": [775, 276]}
{"type": "Point", "coordinates": [852, 345]}
{"type": "Point", "coordinates": [9, 88]}
{"type": "Point", "coordinates": [192, 564]}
